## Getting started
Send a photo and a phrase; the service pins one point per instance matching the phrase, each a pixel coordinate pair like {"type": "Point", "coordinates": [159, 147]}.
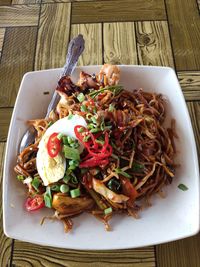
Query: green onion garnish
{"type": "Point", "coordinates": [101, 142]}
{"type": "Point", "coordinates": [55, 187]}
{"type": "Point", "coordinates": [83, 108]}
{"type": "Point", "coordinates": [65, 140]}
{"type": "Point", "coordinates": [71, 153]}
{"type": "Point", "coordinates": [20, 177]}
{"type": "Point", "coordinates": [81, 129]}
{"type": "Point", "coordinates": [115, 89]}
{"type": "Point", "coordinates": [75, 193]}
{"type": "Point", "coordinates": [74, 179]}
{"type": "Point", "coordinates": [70, 116]}
{"type": "Point", "coordinates": [64, 188]}
{"type": "Point", "coordinates": [66, 178]}
{"type": "Point", "coordinates": [70, 140]}
{"type": "Point", "coordinates": [183, 187]}
{"type": "Point", "coordinates": [111, 108]}
{"type": "Point", "coordinates": [94, 120]}
{"type": "Point", "coordinates": [125, 174]}
{"type": "Point", "coordinates": [49, 124]}
{"type": "Point", "coordinates": [81, 97]}
{"type": "Point", "coordinates": [73, 164]}
{"type": "Point", "coordinates": [36, 183]}
{"type": "Point", "coordinates": [48, 197]}
{"type": "Point", "coordinates": [108, 211]}
{"type": "Point", "coordinates": [86, 138]}
{"type": "Point", "coordinates": [59, 136]}
{"type": "Point", "coordinates": [95, 130]}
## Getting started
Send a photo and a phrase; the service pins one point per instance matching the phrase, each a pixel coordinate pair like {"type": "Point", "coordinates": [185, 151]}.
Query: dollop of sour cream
{"type": "Point", "coordinates": [51, 170]}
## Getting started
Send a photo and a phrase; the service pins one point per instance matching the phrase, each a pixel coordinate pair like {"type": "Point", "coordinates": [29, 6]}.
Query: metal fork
{"type": "Point", "coordinates": [75, 49]}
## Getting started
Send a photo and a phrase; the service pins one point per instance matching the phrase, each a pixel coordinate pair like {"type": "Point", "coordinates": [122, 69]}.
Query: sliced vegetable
{"type": "Point", "coordinates": [81, 97]}
{"type": "Point", "coordinates": [75, 193]}
{"type": "Point", "coordinates": [53, 145]}
{"type": "Point", "coordinates": [83, 108]}
{"type": "Point", "coordinates": [59, 136]}
{"type": "Point", "coordinates": [48, 197]}
{"type": "Point", "coordinates": [70, 116]}
{"type": "Point", "coordinates": [36, 183]}
{"type": "Point", "coordinates": [108, 211]}
{"type": "Point", "coordinates": [111, 108]}
{"type": "Point", "coordinates": [125, 174]}
{"type": "Point", "coordinates": [55, 187]}
{"type": "Point", "coordinates": [64, 188]}
{"type": "Point", "coordinates": [129, 190]}
{"type": "Point", "coordinates": [115, 89]}
{"type": "Point", "coordinates": [20, 177]}
{"type": "Point", "coordinates": [114, 185]}
{"type": "Point", "coordinates": [35, 203]}
{"type": "Point", "coordinates": [66, 178]}
{"type": "Point", "coordinates": [183, 187]}
{"type": "Point", "coordinates": [71, 153]}
{"type": "Point", "coordinates": [73, 164]}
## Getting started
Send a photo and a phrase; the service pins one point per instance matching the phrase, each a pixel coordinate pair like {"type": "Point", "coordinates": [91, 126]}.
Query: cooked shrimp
{"type": "Point", "coordinates": [110, 74]}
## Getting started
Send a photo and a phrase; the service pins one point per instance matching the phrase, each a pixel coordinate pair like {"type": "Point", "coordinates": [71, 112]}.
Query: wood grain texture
{"type": "Point", "coordinates": [5, 116]}
{"type": "Point", "coordinates": [5, 243]}
{"type": "Point", "coordinates": [190, 84]}
{"type": "Point", "coordinates": [153, 43]}
{"type": "Point", "coordinates": [19, 15]}
{"type": "Point", "coordinates": [5, 2]}
{"type": "Point", "coordinates": [121, 10]}
{"type": "Point", "coordinates": [184, 26]}
{"type": "Point", "coordinates": [182, 253]}
{"type": "Point", "coordinates": [2, 34]}
{"type": "Point", "coordinates": [25, 2]}
{"type": "Point", "coordinates": [53, 36]}
{"type": "Point", "coordinates": [34, 255]}
{"type": "Point", "coordinates": [119, 43]}
{"type": "Point", "coordinates": [92, 33]}
{"type": "Point", "coordinates": [198, 3]}
{"type": "Point", "coordinates": [17, 58]}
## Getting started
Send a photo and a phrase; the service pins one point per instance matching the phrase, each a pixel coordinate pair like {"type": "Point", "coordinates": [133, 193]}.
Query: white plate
{"type": "Point", "coordinates": [175, 217]}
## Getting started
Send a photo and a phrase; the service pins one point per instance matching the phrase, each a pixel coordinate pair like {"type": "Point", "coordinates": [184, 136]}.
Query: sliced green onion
{"type": "Point", "coordinates": [64, 188]}
{"type": "Point", "coordinates": [94, 120]}
{"type": "Point", "coordinates": [73, 164]}
{"type": "Point", "coordinates": [59, 136]}
{"type": "Point", "coordinates": [125, 174]}
{"type": "Point", "coordinates": [55, 187]}
{"type": "Point", "coordinates": [102, 125]}
{"type": "Point", "coordinates": [183, 187]}
{"type": "Point", "coordinates": [36, 183]}
{"type": "Point", "coordinates": [81, 129]}
{"type": "Point", "coordinates": [74, 179]}
{"type": "Point", "coordinates": [66, 178]}
{"type": "Point", "coordinates": [71, 153]}
{"type": "Point", "coordinates": [101, 142]}
{"type": "Point", "coordinates": [86, 138]}
{"type": "Point", "coordinates": [49, 124]}
{"type": "Point", "coordinates": [115, 89]}
{"type": "Point", "coordinates": [95, 130]}
{"type": "Point", "coordinates": [111, 108]}
{"type": "Point", "coordinates": [65, 140]}
{"type": "Point", "coordinates": [83, 108]}
{"type": "Point", "coordinates": [81, 97]}
{"type": "Point", "coordinates": [70, 140]}
{"type": "Point", "coordinates": [75, 193]}
{"type": "Point", "coordinates": [89, 116]}
{"type": "Point", "coordinates": [108, 211]}
{"type": "Point", "coordinates": [91, 126]}
{"type": "Point", "coordinates": [48, 197]}
{"type": "Point", "coordinates": [70, 116]}
{"type": "Point", "coordinates": [20, 177]}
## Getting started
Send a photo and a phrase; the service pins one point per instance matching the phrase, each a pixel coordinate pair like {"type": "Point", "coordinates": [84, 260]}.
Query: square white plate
{"type": "Point", "coordinates": [171, 218]}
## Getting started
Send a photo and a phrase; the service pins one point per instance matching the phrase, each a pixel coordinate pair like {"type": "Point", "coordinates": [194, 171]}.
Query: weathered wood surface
{"type": "Point", "coordinates": [120, 10]}
{"type": "Point", "coordinates": [17, 58]}
{"type": "Point", "coordinates": [184, 23]}
{"type": "Point", "coordinates": [2, 33]}
{"type": "Point", "coordinates": [119, 43]}
{"type": "Point", "coordinates": [25, 2]}
{"type": "Point", "coordinates": [19, 15]}
{"type": "Point", "coordinates": [5, 243]}
{"type": "Point", "coordinates": [53, 36]}
{"type": "Point", "coordinates": [93, 42]}
{"type": "Point", "coordinates": [5, 116]}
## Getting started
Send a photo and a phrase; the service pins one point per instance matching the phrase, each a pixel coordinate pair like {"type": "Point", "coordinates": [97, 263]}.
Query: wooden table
{"type": "Point", "coordinates": [33, 36]}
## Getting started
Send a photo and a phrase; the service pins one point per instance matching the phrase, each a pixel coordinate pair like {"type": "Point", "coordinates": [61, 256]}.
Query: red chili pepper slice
{"type": "Point", "coordinates": [53, 145]}
{"type": "Point", "coordinates": [129, 190]}
{"type": "Point", "coordinates": [35, 203]}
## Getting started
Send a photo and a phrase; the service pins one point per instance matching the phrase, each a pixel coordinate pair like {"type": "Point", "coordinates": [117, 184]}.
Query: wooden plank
{"type": "Point", "coordinates": [25, 2]}
{"type": "Point", "coordinates": [5, 2]}
{"type": "Point", "coordinates": [17, 58]}
{"type": "Point", "coordinates": [19, 15]}
{"type": "Point", "coordinates": [184, 253]}
{"type": "Point", "coordinates": [53, 36]}
{"type": "Point", "coordinates": [5, 116]}
{"type": "Point", "coordinates": [185, 33]}
{"type": "Point", "coordinates": [2, 33]}
{"type": "Point", "coordinates": [153, 43]}
{"type": "Point", "coordinates": [5, 243]}
{"type": "Point", "coordinates": [190, 84]}
{"type": "Point", "coordinates": [119, 43]}
{"type": "Point", "coordinates": [37, 256]}
{"type": "Point", "coordinates": [198, 3]}
{"type": "Point", "coordinates": [121, 10]}
{"type": "Point", "coordinates": [92, 33]}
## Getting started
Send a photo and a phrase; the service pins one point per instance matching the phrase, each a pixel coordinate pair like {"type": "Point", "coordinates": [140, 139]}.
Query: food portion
{"type": "Point", "coordinates": [103, 150]}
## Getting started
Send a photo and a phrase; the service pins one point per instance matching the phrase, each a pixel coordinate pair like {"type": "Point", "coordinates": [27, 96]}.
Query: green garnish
{"type": "Point", "coordinates": [65, 140]}
{"type": "Point", "coordinates": [115, 89]}
{"type": "Point", "coordinates": [111, 108]}
{"type": "Point", "coordinates": [36, 183]}
{"type": "Point", "coordinates": [71, 153]}
{"type": "Point", "coordinates": [86, 138]}
{"type": "Point", "coordinates": [183, 187]}
{"type": "Point", "coordinates": [74, 179]}
{"type": "Point", "coordinates": [70, 116]}
{"type": "Point", "coordinates": [59, 136]}
{"type": "Point", "coordinates": [20, 177]}
{"type": "Point", "coordinates": [66, 178]}
{"type": "Point", "coordinates": [137, 167]}
{"type": "Point", "coordinates": [95, 130]}
{"type": "Point", "coordinates": [49, 124]}
{"type": "Point", "coordinates": [73, 164]}
{"type": "Point", "coordinates": [108, 211]}
{"type": "Point", "coordinates": [64, 188]}
{"type": "Point", "coordinates": [101, 142]}
{"type": "Point", "coordinates": [81, 97]}
{"type": "Point", "coordinates": [48, 197]}
{"type": "Point", "coordinates": [81, 129]}
{"type": "Point", "coordinates": [93, 119]}
{"type": "Point", "coordinates": [55, 187]}
{"type": "Point", "coordinates": [83, 108]}
{"type": "Point", "coordinates": [125, 174]}
{"type": "Point", "coordinates": [75, 193]}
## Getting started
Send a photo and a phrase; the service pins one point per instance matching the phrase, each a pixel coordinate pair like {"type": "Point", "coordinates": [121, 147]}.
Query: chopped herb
{"type": "Point", "coordinates": [20, 177]}
{"type": "Point", "coordinates": [66, 178]}
{"type": "Point", "coordinates": [70, 140]}
{"type": "Point", "coordinates": [36, 183]}
{"type": "Point", "coordinates": [95, 130]}
{"type": "Point", "coordinates": [125, 174]}
{"type": "Point", "coordinates": [183, 187]}
{"type": "Point", "coordinates": [59, 136]}
{"type": "Point", "coordinates": [74, 179]}
{"type": "Point", "coordinates": [65, 140]}
{"type": "Point", "coordinates": [102, 125]}
{"type": "Point", "coordinates": [71, 153]}
{"type": "Point", "coordinates": [91, 126]}
{"type": "Point", "coordinates": [94, 120]}
{"type": "Point", "coordinates": [81, 97]}
{"type": "Point", "coordinates": [115, 89]}
{"type": "Point", "coordinates": [75, 193]}
{"type": "Point", "coordinates": [108, 211]}
{"type": "Point", "coordinates": [73, 164]}
{"type": "Point", "coordinates": [137, 167]}
{"type": "Point", "coordinates": [70, 116]}
{"type": "Point", "coordinates": [48, 197]}
{"type": "Point", "coordinates": [55, 187]}
{"type": "Point", "coordinates": [83, 108]}
{"type": "Point", "coordinates": [64, 188]}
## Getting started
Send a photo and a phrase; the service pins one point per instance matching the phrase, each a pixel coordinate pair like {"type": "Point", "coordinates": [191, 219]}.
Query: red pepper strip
{"type": "Point", "coordinates": [103, 153]}
{"type": "Point", "coordinates": [129, 190]}
{"type": "Point", "coordinates": [53, 145]}
{"type": "Point", "coordinates": [93, 162]}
